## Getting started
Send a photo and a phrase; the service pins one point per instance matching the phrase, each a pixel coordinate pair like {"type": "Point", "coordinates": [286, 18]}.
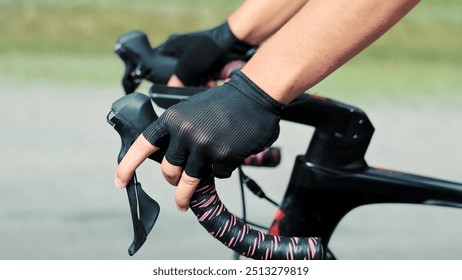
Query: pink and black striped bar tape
{"type": "Point", "coordinates": [270, 157]}
{"type": "Point", "coordinates": [248, 242]}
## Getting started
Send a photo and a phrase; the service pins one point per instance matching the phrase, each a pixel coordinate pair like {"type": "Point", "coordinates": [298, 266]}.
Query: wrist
{"type": "Point", "coordinates": [244, 31]}
{"type": "Point", "coordinates": [251, 90]}
{"type": "Point", "coordinates": [227, 37]}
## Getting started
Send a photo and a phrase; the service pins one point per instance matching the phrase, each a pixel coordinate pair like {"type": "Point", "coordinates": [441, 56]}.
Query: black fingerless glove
{"type": "Point", "coordinates": [217, 129]}
{"type": "Point", "coordinates": [200, 54]}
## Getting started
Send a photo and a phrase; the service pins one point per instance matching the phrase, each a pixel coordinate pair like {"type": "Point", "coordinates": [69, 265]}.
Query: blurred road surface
{"type": "Point", "coordinates": [57, 200]}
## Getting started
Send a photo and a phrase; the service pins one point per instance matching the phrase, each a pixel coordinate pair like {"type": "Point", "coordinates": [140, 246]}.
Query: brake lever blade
{"type": "Point", "coordinates": [129, 82]}
{"type": "Point", "coordinates": [144, 220]}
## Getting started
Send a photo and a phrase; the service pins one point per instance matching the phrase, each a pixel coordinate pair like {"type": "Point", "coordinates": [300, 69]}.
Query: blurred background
{"type": "Point", "coordinates": [59, 77]}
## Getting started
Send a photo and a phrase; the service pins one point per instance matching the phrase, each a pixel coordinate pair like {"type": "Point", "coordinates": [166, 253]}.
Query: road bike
{"type": "Point", "coordinates": [327, 182]}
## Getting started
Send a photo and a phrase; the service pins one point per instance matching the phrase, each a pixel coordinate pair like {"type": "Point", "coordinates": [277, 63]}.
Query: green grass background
{"type": "Point", "coordinates": [66, 41]}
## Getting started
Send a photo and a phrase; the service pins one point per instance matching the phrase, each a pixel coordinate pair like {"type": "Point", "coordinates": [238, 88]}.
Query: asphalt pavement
{"type": "Point", "coordinates": [58, 201]}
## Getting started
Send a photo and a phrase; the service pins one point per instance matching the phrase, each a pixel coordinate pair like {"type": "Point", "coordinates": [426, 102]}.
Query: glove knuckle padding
{"type": "Point", "coordinates": [156, 132]}
{"type": "Point", "coordinates": [223, 170]}
{"type": "Point", "coordinates": [196, 165]}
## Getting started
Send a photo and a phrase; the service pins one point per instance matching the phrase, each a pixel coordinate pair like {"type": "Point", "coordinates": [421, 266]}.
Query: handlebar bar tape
{"type": "Point", "coordinates": [238, 236]}
{"type": "Point", "coordinates": [270, 157]}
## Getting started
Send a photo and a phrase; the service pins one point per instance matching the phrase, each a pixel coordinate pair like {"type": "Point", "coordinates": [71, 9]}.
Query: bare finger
{"type": "Point", "coordinates": [185, 190]}
{"type": "Point", "coordinates": [174, 81]}
{"type": "Point", "coordinates": [172, 173]}
{"type": "Point", "coordinates": [140, 150]}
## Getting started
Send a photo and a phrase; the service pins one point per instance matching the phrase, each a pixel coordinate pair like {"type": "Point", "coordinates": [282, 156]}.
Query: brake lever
{"type": "Point", "coordinates": [133, 75]}
{"type": "Point", "coordinates": [130, 115]}
{"type": "Point", "coordinates": [142, 62]}
{"type": "Point", "coordinates": [144, 212]}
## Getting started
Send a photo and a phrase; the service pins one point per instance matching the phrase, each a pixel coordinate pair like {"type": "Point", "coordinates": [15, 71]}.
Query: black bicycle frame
{"type": "Point", "coordinates": [333, 178]}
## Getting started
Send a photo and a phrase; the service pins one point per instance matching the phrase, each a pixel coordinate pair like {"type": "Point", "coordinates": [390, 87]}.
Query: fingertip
{"type": "Point", "coordinates": [174, 81]}
{"type": "Point", "coordinates": [118, 183]}
{"type": "Point", "coordinates": [181, 200]}
{"type": "Point", "coordinates": [182, 208]}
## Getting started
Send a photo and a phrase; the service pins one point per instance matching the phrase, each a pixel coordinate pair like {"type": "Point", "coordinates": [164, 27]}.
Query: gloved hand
{"type": "Point", "coordinates": [214, 131]}
{"type": "Point", "coordinates": [202, 54]}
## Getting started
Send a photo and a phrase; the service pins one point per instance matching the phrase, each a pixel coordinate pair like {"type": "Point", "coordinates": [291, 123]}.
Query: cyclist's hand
{"type": "Point", "coordinates": [210, 133]}
{"type": "Point", "coordinates": [201, 54]}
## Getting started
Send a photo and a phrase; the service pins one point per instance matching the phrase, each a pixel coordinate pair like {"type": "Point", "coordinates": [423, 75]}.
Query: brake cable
{"type": "Point", "coordinates": [245, 180]}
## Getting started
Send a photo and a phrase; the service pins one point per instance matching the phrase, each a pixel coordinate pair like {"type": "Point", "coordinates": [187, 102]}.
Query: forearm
{"type": "Point", "coordinates": [318, 40]}
{"type": "Point", "coordinates": [256, 20]}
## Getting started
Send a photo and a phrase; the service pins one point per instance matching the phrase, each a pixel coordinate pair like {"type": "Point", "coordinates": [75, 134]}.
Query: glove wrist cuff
{"type": "Point", "coordinates": [246, 86]}
{"type": "Point", "coordinates": [225, 35]}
